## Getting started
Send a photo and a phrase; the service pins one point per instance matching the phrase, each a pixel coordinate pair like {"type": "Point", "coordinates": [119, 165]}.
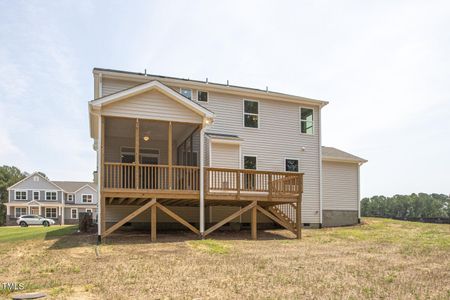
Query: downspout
{"type": "Point", "coordinates": [359, 195]}
{"type": "Point", "coordinates": [320, 168]}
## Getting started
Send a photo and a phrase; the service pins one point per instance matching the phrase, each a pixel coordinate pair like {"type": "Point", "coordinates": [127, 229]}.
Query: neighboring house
{"type": "Point", "coordinates": [212, 154]}
{"type": "Point", "coordinates": [61, 201]}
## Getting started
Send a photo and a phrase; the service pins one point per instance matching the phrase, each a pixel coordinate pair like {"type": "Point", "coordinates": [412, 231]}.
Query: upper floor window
{"type": "Point", "coordinates": [202, 96]}
{"type": "Point", "coordinates": [50, 196]}
{"type": "Point", "coordinates": [87, 198]}
{"type": "Point", "coordinates": [70, 197]}
{"type": "Point", "coordinates": [21, 195]}
{"type": "Point", "coordinates": [291, 165]}
{"type": "Point", "coordinates": [306, 120]}
{"type": "Point", "coordinates": [186, 92]}
{"type": "Point", "coordinates": [35, 195]}
{"type": "Point", "coordinates": [251, 111]}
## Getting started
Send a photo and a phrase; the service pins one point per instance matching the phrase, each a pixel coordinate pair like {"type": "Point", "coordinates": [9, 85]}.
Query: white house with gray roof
{"type": "Point", "coordinates": [61, 201]}
{"type": "Point", "coordinates": [203, 155]}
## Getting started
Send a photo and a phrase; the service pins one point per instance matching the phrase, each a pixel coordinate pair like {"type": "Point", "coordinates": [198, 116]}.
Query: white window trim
{"type": "Point", "coordinates": [45, 198]}
{"type": "Point", "coordinates": [244, 113]}
{"type": "Point", "coordinates": [300, 121]}
{"type": "Point", "coordinates": [56, 212]}
{"type": "Point", "coordinates": [187, 89]}
{"type": "Point", "coordinates": [26, 195]}
{"type": "Point", "coordinates": [71, 215]}
{"type": "Point", "coordinates": [207, 96]}
{"type": "Point", "coordinates": [73, 197]}
{"type": "Point", "coordinates": [291, 158]}
{"type": "Point", "coordinates": [15, 211]}
{"type": "Point", "coordinates": [243, 161]}
{"type": "Point", "coordinates": [39, 195]}
{"type": "Point", "coordinates": [92, 198]}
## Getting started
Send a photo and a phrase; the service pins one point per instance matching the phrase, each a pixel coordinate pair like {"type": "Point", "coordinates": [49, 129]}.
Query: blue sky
{"type": "Point", "coordinates": [383, 65]}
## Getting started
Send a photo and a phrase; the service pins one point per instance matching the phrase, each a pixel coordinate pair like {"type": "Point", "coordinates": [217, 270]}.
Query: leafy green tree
{"type": "Point", "coordinates": [8, 176]}
{"type": "Point", "coordinates": [407, 206]}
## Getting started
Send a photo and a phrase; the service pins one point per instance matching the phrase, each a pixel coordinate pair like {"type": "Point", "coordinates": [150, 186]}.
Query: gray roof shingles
{"type": "Point", "coordinates": [336, 154]}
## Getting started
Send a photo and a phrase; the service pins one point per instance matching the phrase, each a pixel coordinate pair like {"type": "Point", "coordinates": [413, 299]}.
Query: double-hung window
{"type": "Point", "coordinates": [74, 213]}
{"type": "Point", "coordinates": [86, 198]}
{"type": "Point", "coordinates": [21, 195]}
{"type": "Point", "coordinates": [251, 114]}
{"type": "Point", "coordinates": [35, 195]}
{"type": "Point", "coordinates": [50, 212]}
{"type": "Point", "coordinates": [70, 197]}
{"type": "Point", "coordinates": [50, 196]}
{"type": "Point", "coordinates": [306, 121]}
{"type": "Point", "coordinates": [186, 92]}
{"type": "Point", "coordinates": [20, 211]}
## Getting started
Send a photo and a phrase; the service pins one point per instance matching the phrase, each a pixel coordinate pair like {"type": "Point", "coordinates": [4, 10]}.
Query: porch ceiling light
{"type": "Point", "coordinates": [146, 138]}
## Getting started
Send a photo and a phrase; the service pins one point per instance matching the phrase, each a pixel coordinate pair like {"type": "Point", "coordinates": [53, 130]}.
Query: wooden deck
{"type": "Point", "coordinates": [121, 180]}
{"type": "Point", "coordinates": [277, 195]}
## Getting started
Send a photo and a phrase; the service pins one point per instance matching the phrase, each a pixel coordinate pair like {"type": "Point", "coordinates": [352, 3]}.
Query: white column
{"type": "Point", "coordinates": [99, 171]}
{"type": "Point", "coordinates": [202, 188]}
{"type": "Point", "coordinates": [62, 213]}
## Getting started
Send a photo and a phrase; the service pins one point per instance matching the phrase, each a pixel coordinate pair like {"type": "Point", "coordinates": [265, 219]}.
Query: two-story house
{"type": "Point", "coordinates": [206, 155]}
{"type": "Point", "coordinates": [61, 201]}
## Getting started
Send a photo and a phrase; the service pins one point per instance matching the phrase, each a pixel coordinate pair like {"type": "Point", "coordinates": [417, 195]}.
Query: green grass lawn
{"type": "Point", "coordinates": [381, 258]}
{"type": "Point", "coordinates": [16, 233]}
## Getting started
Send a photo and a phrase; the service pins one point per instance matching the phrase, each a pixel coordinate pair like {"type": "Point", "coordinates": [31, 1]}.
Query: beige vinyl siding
{"type": "Point", "coordinates": [340, 186]}
{"type": "Point", "coordinates": [152, 105]}
{"type": "Point", "coordinates": [225, 155]}
{"type": "Point", "coordinates": [278, 137]}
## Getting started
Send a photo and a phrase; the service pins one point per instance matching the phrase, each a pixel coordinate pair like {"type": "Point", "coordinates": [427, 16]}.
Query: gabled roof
{"type": "Point", "coordinates": [333, 154]}
{"type": "Point", "coordinates": [213, 85]}
{"type": "Point", "coordinates": [33, 174]}
{"type": "Point", "coordinates": [148, 86]}
{"type": "Point", "coordinates": [74, 186]}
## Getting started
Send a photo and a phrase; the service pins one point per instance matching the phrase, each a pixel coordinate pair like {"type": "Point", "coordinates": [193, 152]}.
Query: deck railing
{"type": "Point", "coordinates": [240, 180]}
{"type": "Point", "coordinates": [150, 177]}
{"type": "Point", "coordinates": [128, 176]}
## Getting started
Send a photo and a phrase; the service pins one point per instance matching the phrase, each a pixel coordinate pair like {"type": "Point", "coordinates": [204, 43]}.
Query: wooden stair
{"type": "Point", "coordinates": [286, 214]}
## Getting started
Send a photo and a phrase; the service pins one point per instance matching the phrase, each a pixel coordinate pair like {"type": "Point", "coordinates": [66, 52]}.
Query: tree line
{"type": "Point", "coordinates": [414, 206]}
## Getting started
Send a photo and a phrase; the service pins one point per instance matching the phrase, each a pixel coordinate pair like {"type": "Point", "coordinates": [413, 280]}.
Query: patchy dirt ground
{"type": "Point", "coordinates": [380, 259]}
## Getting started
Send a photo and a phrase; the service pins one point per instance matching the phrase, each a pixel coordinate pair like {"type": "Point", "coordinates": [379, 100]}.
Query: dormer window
{"type": "Point", "coordinates": [186, 92]}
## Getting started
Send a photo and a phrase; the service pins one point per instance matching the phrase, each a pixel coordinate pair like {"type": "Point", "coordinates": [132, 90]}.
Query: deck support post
{"type": "Point", "coordinates": [254, 222]}
{"type": "Point", "coordinates": [153, 223]}
{"type": "Point", "coordinates": [202, 180]}
{"type": "Point", "coordinates": [169, 154]}
{"type": "Point", "coordinates": [136, 155]}
{"type": "Point", "coordinates": [102, 214]}
{"type": "Point", "coordinates": [299, 207]}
